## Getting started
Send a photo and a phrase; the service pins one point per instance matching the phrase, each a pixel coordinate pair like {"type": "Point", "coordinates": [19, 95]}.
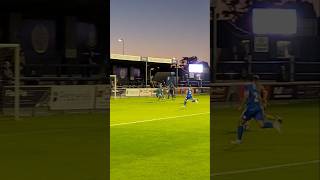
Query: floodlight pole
{"type": "Point", "coordinates": [122, 46]}
{"type": "Point", "coordinates": [122, 41]}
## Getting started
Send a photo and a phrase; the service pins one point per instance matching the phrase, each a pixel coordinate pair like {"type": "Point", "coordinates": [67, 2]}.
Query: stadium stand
{"type": "Point", "coordinates": [241, 52]}
{"type": "Point", "coordinates": [133, 70]}
{"type": "Point", "coordinates": [56, 49]}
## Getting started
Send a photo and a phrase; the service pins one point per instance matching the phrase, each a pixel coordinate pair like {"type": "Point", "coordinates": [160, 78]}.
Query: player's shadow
{"type": "Point", "coordinates": [235, 132]}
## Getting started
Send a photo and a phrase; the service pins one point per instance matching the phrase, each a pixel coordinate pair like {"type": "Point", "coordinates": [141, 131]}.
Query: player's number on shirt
{"type": "Point", "coordinates": [256, 97]}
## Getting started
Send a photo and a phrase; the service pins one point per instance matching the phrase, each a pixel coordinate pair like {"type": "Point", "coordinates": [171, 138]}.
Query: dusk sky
{"type": "Point", "coordinates": [161, 28]}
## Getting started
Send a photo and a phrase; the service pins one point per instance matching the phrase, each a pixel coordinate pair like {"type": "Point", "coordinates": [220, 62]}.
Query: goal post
{"type": "Point", "coordinates": [16, 57]}
{"type": "Point", "coordinates": [113, 82]}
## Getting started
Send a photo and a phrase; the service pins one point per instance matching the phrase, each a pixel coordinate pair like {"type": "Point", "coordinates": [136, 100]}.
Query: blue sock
{"type": "Point", "coordinates": [240, 132]}
{"type": "Point", "coordinates": [267, 124]}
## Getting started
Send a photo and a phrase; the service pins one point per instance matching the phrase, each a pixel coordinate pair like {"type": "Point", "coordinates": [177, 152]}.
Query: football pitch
{"type": "Point", "coordinates": [64, 147]}
{"type": "Point", "coordinates": [265, 154]}
{"type": "Point", "coordinates": [155, 140]}
{"type": "Point", "coordinates": [160, 140]}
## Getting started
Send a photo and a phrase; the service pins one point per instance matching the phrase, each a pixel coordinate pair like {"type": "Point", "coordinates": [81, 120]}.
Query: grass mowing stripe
{"type": "Point", "coordinates": [265, 168]}
{"type": "Point", "coordinates": [158, 119]}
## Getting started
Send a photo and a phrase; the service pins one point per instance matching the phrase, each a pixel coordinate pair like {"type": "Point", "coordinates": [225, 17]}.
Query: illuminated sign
{"type": "Point", "coordinates": [274, 21]}
{"type": "Point", "coordinates": [195, 68]}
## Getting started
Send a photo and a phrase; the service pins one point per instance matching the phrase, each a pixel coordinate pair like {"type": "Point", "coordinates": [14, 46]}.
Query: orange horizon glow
{"type": "Point", "coordinates": [165, 29]}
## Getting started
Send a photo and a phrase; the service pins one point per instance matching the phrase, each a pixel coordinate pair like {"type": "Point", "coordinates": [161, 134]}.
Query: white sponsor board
{"type": "Point", "coordinates": [132, 92]}
{"type": "Point", "coordinates": [146, 92]}
{"type": "Point", "coordinates": [142, 92]}
{"type": "Point", "coordinates": [72, 97]}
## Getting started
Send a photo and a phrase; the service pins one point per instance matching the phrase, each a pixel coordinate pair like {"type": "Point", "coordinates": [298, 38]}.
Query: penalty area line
{"type": "Point", "coordinates": [158, 119]}
{"type": "Point", "coordinates": [266, 168]}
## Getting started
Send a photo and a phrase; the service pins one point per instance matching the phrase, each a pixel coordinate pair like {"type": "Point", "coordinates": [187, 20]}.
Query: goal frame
{"type": "Point", "coordinates": [16, 48]}
{"type": "Point", "coordinates": [114, 85]}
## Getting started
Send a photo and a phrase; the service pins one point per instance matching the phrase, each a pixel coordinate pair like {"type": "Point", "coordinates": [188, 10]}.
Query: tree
{"type": "Point", "coordinates": [232, 9]}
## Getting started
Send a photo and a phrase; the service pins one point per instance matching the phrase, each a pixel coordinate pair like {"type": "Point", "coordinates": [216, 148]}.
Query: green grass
{"type": "Point", "coordinates": [299, 142]}
{"type": "Point", "coordinates": [74, 146]}
{"type": "Point", "coordinates": [60, 147]}
{"type": "Point", "coordinates": [173, 148]}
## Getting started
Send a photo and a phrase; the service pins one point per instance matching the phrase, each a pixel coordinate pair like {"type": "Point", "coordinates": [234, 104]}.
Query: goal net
{"type": "Point", "coordinates": [25, 95]}
{"type": "Point", "coordinates": [113, 83]}
{"type": "Point", "coordinates": [16, 98]}
{"type": "Point", "coordinates": [10, 75]}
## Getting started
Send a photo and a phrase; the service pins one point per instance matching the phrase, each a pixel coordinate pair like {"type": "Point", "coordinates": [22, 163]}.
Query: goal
{"type": "Point", "coordinates": [113, 82]}
{"type": "Point", "coordinates": [10, 54]}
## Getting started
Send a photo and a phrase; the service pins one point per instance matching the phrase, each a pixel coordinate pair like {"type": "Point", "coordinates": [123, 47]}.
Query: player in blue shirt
{"type": "Point", "coordinates": [189, 97]}
{"type": "Point", "coordinates": [254, 109]}
{"type": "Point", "coordinates": [268, 115]}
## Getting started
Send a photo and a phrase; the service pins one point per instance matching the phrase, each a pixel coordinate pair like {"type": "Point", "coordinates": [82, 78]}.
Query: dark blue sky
{"type": "Point", "coordinates": [161, 28]}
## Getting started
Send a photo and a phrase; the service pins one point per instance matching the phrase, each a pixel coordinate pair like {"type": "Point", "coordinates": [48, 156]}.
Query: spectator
{"type": "Point", "coordinates": [7, 74]}
{"type": "Point", "coordinates": [22, 63]}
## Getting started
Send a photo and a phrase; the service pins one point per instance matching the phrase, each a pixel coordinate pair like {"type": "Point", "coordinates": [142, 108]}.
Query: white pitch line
{"type": "Point", "coordinates": [158, 119]}
{"type": "Point", "coordinates": [265, 168]}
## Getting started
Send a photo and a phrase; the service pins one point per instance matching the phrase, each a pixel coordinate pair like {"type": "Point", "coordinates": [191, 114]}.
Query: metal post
{"type": "Point", "coordinates": [17, 83]}
{"type": "Point", "coordinates": [122, 46]}
{"type": "Point", "coordinates": [214, 41]}
{"type": "Point", "coordinates": [146, 72]}
{"type": "Point", "coordinates": [177, 73]}
{"type": "Point", "coordinates": [115, 86]}
{"type": "Point", "coordinates": [150, 74]}
{"type": "Point", "coordinates": [249, 65]}
{"type": "Point", "coordinates": [122, 41]}
{"type": "Point", "coordinates": [150, 71]}
{"type": "Point", "coordinates": [292, 68]}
